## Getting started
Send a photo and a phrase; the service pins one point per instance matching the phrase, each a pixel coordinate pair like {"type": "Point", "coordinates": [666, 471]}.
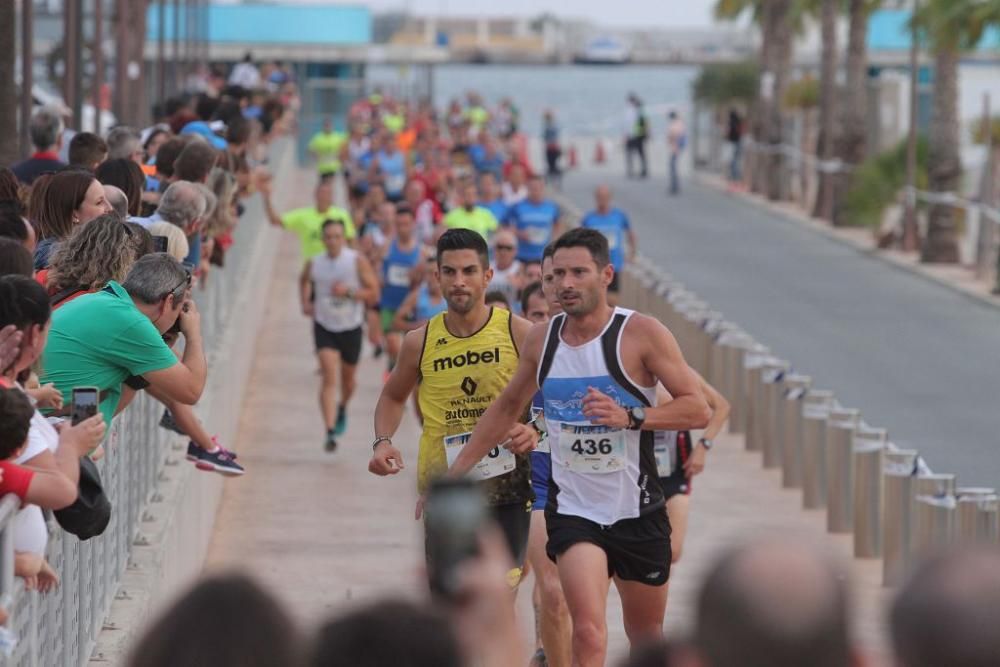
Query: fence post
{"type": "Point", "coordinates": [753, 369]}
{"type": "Point", "coordinates": [869, 447]}
{"type": "Point", "coordinates": [790, 428]}
{"type": "Point", "coordinates": [840, 429]}
{"type": "Point", "coordinates": [978, 516]}
{"type": "Point", "coordinates": [771, 390]}
{"type": "Point", "coordinates": [934, 509]}
{"type": "Point", "coordinates": [815, 410]}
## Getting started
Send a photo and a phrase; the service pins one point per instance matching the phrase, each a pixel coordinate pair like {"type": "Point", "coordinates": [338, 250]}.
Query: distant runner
{"type": "Point", "coordinates": [614, 224]}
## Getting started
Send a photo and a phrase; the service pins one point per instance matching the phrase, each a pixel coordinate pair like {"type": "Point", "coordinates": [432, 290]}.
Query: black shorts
{"type": "Point", "coordinates": [613, 287]}
{"type": "Point", "coordinates": [514, 520]}
{"type": "Point", "coordinates": [678, 482]}
{"type": "Point", "coordinates": [348, 343]}
{"type": "Point", "coordinates": [637, 549]}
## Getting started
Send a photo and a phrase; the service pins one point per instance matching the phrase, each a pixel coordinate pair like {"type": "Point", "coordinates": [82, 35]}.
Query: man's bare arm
{"type": "Point", "coordinates": [662, 356]}
{"type": "Point", "coordinates": [386, 459]}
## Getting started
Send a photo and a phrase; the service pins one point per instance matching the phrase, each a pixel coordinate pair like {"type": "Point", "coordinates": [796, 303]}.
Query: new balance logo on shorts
{"type": "Point", "coordinates": [653, 575]}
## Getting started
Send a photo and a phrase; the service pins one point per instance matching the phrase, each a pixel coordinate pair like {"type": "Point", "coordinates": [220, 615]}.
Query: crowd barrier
{"type": "Point", "coordinates": [163, 509]}
{"type": "Point", "coordinates": [895, 507]}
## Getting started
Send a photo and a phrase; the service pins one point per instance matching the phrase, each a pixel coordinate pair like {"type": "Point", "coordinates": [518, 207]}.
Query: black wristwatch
{"type": "Point", "coordinates": [636, 417]}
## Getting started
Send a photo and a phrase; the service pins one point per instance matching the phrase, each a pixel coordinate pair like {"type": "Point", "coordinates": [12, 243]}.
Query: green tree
{"type": "Point", "coordinates": [950, 26]}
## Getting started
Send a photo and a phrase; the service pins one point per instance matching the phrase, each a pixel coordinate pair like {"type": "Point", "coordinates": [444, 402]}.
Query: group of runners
{"type": "Point", "coordinates": [574, 415]}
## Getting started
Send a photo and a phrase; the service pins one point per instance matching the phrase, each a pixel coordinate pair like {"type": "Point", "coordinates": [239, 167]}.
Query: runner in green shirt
{"type": "Point", "coordinates": [307, 222]}
{"type": "Point", "coordinates": [328, 146]}
{"type": "Point", "coordinates": [469, 215]}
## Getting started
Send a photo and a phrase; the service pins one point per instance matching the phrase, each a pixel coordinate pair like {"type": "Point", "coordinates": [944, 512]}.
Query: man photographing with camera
{"type": "Point", "coordinates": [462, 358]}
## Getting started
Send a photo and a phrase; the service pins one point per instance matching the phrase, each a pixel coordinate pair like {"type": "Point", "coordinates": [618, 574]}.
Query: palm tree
{"type": "Point", "coordinates": [852, 143]}
{"type": "Point", "coordinates": [951, 26]}
{"type": "Point", "coordinates": [8, 92]}
{"type": "Point", "coordinates": [823, 207]}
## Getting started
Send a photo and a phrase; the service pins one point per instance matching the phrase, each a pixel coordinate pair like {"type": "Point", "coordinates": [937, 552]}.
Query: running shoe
{"type": "Point", "coordinates": [331, 442]}
{"type": "Point", "coordinates": [193, 449]}
{"type": "Point", "coordinates": [167, 422]}
{"type": "Point", "coordinates": [220, 460]}
{"type": "Point", "coordinates": [341, 425]}
{"type": "Point", "coordinates": [378, 352]}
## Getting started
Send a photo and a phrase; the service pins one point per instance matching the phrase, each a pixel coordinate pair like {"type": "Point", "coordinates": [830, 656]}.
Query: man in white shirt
{"type": "Point", "coordinates": [245, 74]}
{"type": "Point", "coordinates": [506, 268]}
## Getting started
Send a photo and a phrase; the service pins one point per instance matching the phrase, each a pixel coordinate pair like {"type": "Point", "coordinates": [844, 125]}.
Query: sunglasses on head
{"type": "Point", "coordinates": [186, 280]}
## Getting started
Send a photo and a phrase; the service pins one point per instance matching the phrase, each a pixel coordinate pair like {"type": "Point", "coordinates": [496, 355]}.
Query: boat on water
{"type": "Point", "coordinates": [604, 51]}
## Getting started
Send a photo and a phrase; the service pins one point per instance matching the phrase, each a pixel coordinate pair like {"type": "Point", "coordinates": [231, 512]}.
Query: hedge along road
{"type": "Point", "coordinates": [913, 356]}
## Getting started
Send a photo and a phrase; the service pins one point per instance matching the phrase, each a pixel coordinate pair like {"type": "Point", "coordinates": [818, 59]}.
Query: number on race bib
{"type": "Point", "coordinates": [498, 461]}
{"type": "Point", "coordinates": [592, 449]}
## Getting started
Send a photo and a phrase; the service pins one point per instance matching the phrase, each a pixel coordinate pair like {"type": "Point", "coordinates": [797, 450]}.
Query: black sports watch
{"type": "Point", "coordinates": [636, 417]}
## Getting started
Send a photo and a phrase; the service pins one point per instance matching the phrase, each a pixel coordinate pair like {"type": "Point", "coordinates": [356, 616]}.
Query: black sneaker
{"type": "Point", "coordinates": [220, 460]}
{"type": "Point", "coordinates": [331, 442]}
{"type": "Point", "coordinates": [378, 352]}
{"type": "Point", "coordinates": [167, 422]}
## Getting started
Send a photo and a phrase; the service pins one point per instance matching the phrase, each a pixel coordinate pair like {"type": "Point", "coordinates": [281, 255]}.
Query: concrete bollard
{"type": "Point", "coordinates": [714, 371]}
{"type": "Point", "coordinates": [869, 448]}
{"type": "Point", "coordinates": [978, 516]}
{"type": "Point", "coordinates": [899, 472]}
{"type": "Point", "coordinates": [840, 429]}
{"type": "Point", "coordinates": [790, 428]}
{"type": "Point", "coordinates": [734, 353]}
{"type": "Point", "coordinates": [772, 375]}
{"type": "Point", "coordinates": [934, 509]}
{"type": "Point", "coordinates": [628, 278]}
{"type": "Point", "coordinates": [703, 335]}
{"type": "Point", "coordinates": [753, 365]}
{"type": "Point", "coordinates": [815, 410]}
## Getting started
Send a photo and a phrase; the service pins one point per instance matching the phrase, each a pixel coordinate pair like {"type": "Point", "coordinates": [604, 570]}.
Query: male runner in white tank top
{"type": "Point", "coordinates": [598, 367]}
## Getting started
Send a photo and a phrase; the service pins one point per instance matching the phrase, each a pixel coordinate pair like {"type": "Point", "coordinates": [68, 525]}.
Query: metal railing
{"type": "Point", "coordinates": [891, 502]}
{"type": "Point", "coordinates": [59, 629]}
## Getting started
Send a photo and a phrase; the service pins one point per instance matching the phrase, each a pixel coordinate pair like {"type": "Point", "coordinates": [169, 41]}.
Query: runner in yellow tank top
{"type": "Point", "coordinates": [463, 359]}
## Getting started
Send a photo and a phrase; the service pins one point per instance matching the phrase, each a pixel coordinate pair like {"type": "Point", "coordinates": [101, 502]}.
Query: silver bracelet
{"type": "Point", "coordinates": [381, 439]}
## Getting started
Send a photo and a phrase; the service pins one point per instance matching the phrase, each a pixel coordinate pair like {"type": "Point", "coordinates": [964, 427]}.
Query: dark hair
{"type": "Point", "coordinates": [142, 240]}
{"type": "Point", "coordinates": [496, 296]}
{"type": "Point", "coordinates": [16, 412]}
{"type": "Point", "coordinates": [156, 131]}
{"type": "Point", "coordinates": [10, 187]}
{"type": "Point", "coordinates": [63, 194]}
{"type": "Point", "coordinates": [403, 208]}
{"type": "Point", "coordinates": [258, 632]}
{"type": "Point", "coordinates": [11, 223]}
{"type": "Point", "coordinates": [176, 103]}
{"type": "Point", "coordinates": [549, 251]}
{"type": "Point", "coordinates": [228, 111]}
{"type": "Point", "coordinates": [948, 612]}
{"type": "Point", "coordinates": [125, 174]}
{"type": "Point", "coordinates": [330, 222]}
{"type": "Point", "coordinates": [238, 130]}
{"type": "Point", "coordinates": [23, 302]}
{"type": "Point", "coordinates": [168, 153]}
{"type": "Point", "coordinates": [85, 149]}
{"type": "Point", "coordinates": [591, 239]}
{"type": "Point", "coordinates": [396, 633]}
{"type": "Point", "coordinates": [101, 250]}
{"type": "Point", "coordinates": [15, 260]}
{"type": "Point", "coordinates": [529, 291]}
{"type": "Point", "coordinates": [464, 239]}
{"type": "Point", "coordinates": [195, 161]}
{"type": "Point", "coordinates": [205, 106]}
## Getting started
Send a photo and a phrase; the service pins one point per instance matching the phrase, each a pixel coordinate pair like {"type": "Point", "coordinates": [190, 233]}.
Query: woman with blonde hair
{"type": "Point", "coordinates": [219, 225]}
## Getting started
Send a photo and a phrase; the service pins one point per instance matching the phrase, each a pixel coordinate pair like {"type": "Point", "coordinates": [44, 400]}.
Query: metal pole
{"type": "Point", "coordinates": [978, 516]}
{"type": "Point", "coordinates": [175, 66]}
{"type": "Point", "coordinates": [790, 428]}
{"type": "Point", "coordinates": [815, 411]}
{"type": "Point", "coordinates": [869, 448]}
{"type": "Point", "coordinates": [71, 59]}
{"type": "Point", "coordinates": [934, 509]}
{"type": "Point", "coordinates": [911, 236]}
{"type": "Point", "coordinates": [98, 83]}
{"type": "Point", "coordinates": [122, 50]}
{"type": "Point", "coordinates": [161, 52]}
{"type": "Point", "coordinates": [840, 430]}
{"type": "Point", "coordinates": [771, 391]}
{"type": "Point", "coordinates": [899, 470]}
{"type": "Point", "coordinates": [27, 76]}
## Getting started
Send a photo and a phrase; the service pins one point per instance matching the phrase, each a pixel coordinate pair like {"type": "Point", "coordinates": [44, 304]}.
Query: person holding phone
{"type": "Point", "coordinates": [597, 367]}
{"type": "Point", "coordinates": [462, 359]}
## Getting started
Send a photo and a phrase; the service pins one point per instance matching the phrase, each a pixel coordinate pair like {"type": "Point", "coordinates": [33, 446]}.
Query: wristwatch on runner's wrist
{"type": "Point", "coordinates": [706, 443]}
{"type": "Point", "coordinates": [636, 416]}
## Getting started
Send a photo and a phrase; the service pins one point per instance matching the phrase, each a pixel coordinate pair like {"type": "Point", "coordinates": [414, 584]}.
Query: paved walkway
{"type": "Point", "coordinates": [323, 533]}
{"type": "Point", "coordinates": [914, 356]}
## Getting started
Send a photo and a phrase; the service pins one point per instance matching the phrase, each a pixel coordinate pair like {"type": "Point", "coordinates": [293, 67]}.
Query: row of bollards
{"type": "Point", "coordinates": [887, 497]}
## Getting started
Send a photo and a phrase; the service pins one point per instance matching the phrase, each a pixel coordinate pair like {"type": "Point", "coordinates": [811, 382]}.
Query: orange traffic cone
{"type": "Point", "coordinates": [599, 156]}
{"type": "Point", "coordinates": [572, 157]}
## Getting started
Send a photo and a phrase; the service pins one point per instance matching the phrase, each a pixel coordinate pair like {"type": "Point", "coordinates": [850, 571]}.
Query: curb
{"type": "Point", "coordinates": [831, 233]}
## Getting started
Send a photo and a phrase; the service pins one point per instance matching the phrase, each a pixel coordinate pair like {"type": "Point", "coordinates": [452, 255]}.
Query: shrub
{"type": "Point", "coordinates": [876, 183]}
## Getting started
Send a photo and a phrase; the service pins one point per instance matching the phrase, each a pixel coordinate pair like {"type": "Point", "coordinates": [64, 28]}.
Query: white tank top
{"type": "Point", "coordinates": [598, 473]}
{"type": "Point", "coordinates": [335, 313]}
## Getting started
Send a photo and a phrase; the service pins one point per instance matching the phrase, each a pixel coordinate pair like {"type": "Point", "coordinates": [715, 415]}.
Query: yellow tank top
{"type": "Point", "coordinates": [460, 378]}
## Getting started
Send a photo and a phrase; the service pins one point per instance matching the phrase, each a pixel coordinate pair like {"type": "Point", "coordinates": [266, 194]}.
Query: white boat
{"type": "Point", "coordinates": [604, 51]}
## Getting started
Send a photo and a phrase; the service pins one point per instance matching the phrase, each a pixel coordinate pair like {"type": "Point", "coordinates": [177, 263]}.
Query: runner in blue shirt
{"type": "Point", "coordinates": [490, 197]}
{"type": "Point", "coordinates": [392, 166]}
{"type": "Point", "coordinates": [614, 224]}
{"type": "Point", "coordinates": [535, 221]}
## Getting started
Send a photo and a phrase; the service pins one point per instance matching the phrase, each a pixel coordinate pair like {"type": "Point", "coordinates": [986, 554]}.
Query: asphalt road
{"type": "Point", "coordinates": [915, 357]}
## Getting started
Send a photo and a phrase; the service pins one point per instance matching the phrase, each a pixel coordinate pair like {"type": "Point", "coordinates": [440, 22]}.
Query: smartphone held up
{"type": "Point", "coordinates": [455, 515]}
{"type": "Point", "coordinates": [85, 403]}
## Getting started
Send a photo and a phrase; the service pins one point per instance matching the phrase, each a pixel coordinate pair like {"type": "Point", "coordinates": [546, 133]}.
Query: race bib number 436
{"type": "Point", "coordinates": [592, 449]}
{"type": "Point", "coordinates": [499, 461]}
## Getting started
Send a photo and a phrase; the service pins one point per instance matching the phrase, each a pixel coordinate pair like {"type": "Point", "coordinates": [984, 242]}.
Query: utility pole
{"type": "Point", "coordinates": [98, 83]}
{"type": "Point", "coordinates": [911, 234]}
{"type": "Point", "coordinates": [27, 72]}
{"type": "Point", "coordinates": [122, 51]}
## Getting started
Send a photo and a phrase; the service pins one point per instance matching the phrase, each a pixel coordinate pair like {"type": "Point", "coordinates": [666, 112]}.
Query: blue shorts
{"type": "Point", "coordinates": [541, 471]}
